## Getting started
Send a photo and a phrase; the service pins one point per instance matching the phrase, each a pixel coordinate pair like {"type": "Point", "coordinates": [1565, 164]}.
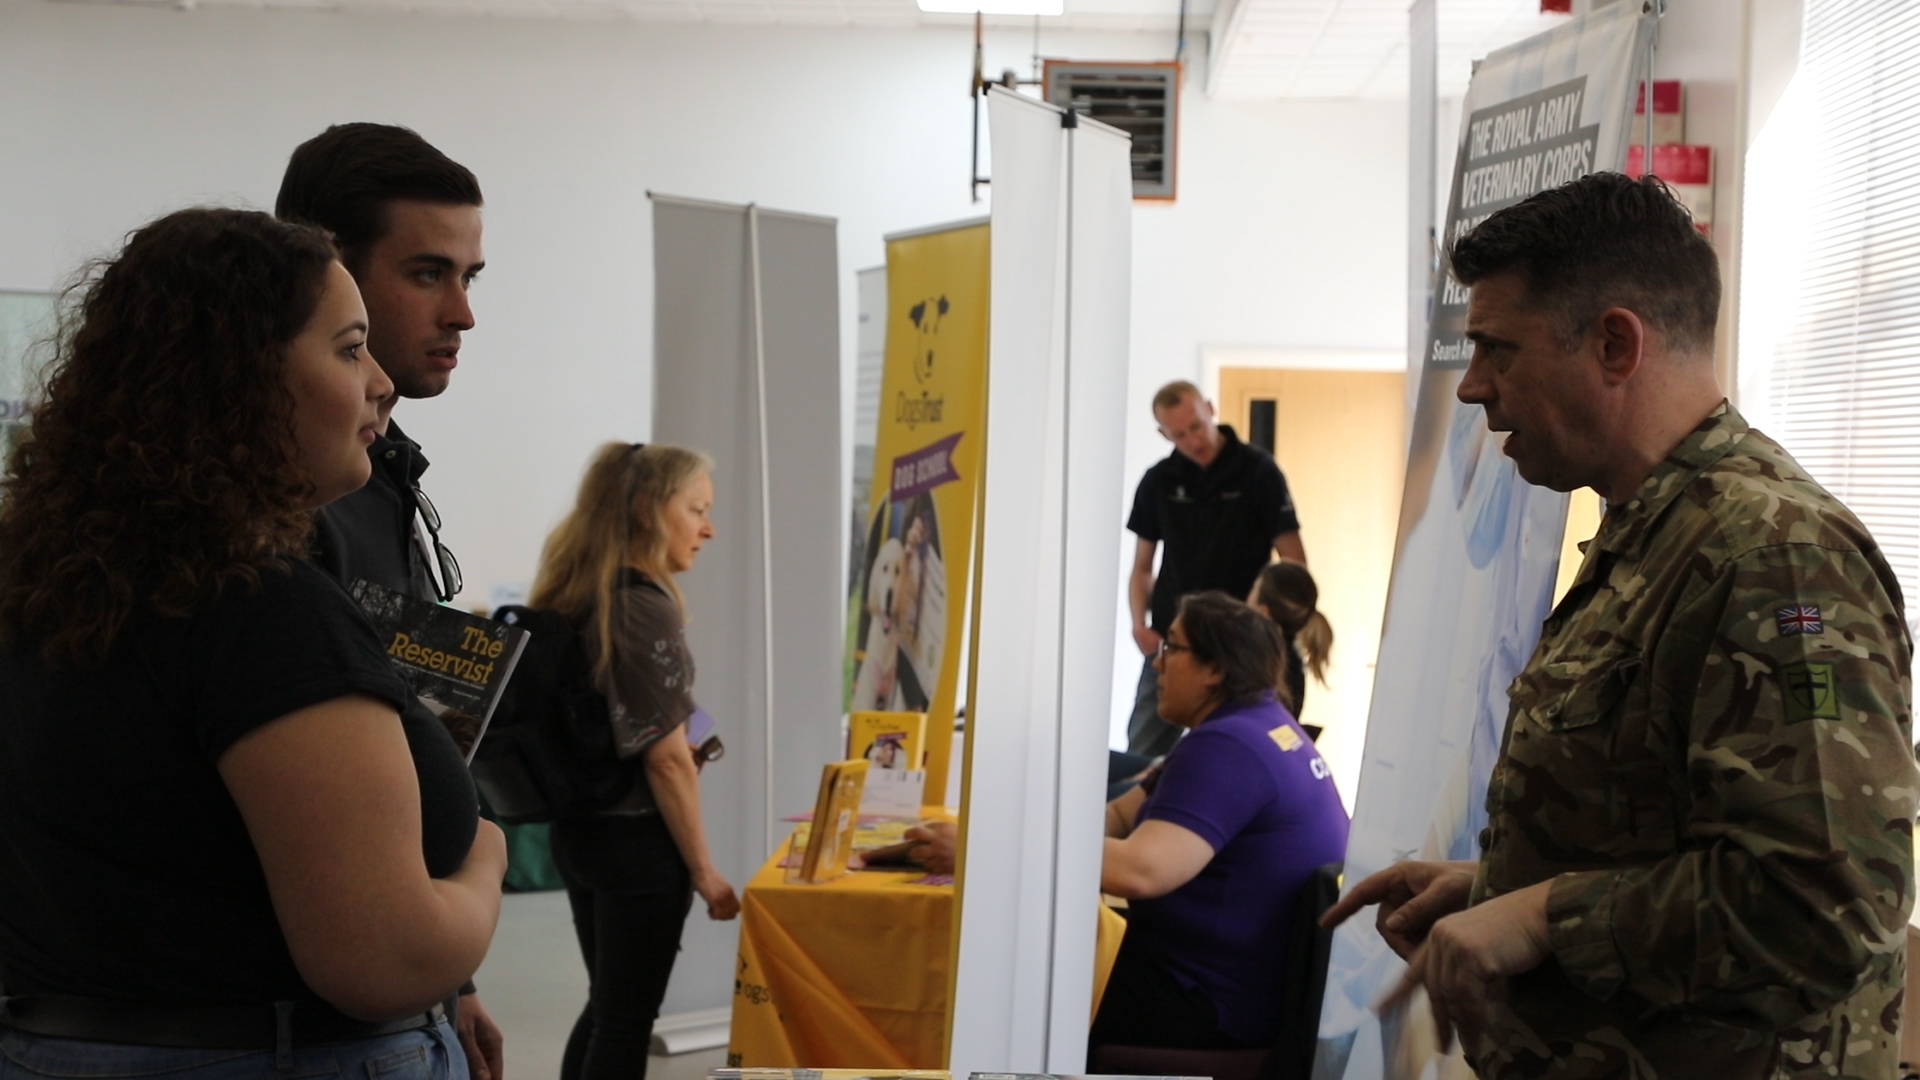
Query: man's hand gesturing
{"type": "Point", "coordinates": [1412, 897]}
{"type": "Point", "coordinates": [1452, 950]}
{"type": "Point", "coordinates": [1464, 954]}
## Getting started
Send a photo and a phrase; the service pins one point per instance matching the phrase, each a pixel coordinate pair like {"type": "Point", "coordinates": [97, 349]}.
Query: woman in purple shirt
{"type": "Point", "coordinates": [1213, 853]}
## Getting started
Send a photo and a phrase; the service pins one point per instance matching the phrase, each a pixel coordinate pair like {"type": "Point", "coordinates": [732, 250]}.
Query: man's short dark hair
{"type": "Point", "coordinates": [1604, 240]}
{"type": "Point", "coordinates": [343, 178]}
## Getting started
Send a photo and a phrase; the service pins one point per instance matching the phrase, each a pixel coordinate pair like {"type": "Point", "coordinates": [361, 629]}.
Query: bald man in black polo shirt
{"type": "Point", "coordinates": [1222, 509]}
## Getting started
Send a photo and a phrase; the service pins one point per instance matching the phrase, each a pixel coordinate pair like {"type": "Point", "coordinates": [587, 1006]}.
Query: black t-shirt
{"type": "Point", "coordinates": [1216, 525]}
{"type": "Point", "coordinates": [125, 868]}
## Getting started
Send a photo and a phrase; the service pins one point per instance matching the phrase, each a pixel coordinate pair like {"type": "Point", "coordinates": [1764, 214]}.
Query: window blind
{"type": "Point", "coordinates": [1830, 314]}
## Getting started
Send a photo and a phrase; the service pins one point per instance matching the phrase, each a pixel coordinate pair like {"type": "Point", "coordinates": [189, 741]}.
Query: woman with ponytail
{"type": "Point", "coordinates": [1285, 592]}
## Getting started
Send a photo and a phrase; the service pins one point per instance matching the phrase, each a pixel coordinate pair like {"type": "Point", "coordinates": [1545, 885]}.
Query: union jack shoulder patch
{"type": "Point", "coordinates": [1800, 619]}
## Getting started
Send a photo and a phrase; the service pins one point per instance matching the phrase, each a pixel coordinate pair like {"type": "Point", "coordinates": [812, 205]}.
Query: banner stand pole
{"type": "Point", "coordinates": [1658, 9]}
{"type": "Point", "coordinates": [1069, 123]}
{"type": "Point", "coordinates": [766, 515]}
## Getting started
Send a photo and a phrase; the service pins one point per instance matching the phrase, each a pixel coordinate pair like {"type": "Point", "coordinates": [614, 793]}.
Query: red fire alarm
{"type": "Point", "coordinates": [1556, 7]}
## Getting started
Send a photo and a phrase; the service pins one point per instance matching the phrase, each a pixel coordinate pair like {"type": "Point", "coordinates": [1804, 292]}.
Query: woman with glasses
{"type": "Point", "coordinates": [641, 517]}
{"type": "Point", "coordinates": [227, 854]}
{"type": "Point", "coordinates": [1212, 851]}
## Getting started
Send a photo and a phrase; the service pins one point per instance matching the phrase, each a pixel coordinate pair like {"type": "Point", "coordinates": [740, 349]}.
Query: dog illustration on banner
{"type": "Point", "coordinates": [926, 317]}
{"type": "Point", "coordinates": [903, 612]}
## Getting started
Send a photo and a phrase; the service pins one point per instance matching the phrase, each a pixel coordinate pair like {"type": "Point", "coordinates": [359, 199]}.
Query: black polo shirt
{"type": "Point", "coordinates": [1216, 525]}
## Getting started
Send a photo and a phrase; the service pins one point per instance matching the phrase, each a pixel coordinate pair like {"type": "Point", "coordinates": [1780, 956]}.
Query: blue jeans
{"type": "Point", "coordinates": [424, 1054]}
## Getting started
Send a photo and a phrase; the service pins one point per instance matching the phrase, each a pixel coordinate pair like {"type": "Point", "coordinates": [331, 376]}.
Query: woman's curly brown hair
{"type": "Point", "coordinates": [158, 468]}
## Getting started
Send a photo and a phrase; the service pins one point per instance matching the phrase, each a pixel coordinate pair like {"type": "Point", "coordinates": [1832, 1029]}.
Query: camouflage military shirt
{"type": "Point", "coordinates": [1710, 755]}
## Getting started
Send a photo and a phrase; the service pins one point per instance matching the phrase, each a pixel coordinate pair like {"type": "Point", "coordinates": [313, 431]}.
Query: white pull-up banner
{"type": "Point", "coordinates": [1037, 714]}
{"type": "Point", "coordinates": [1478, 547]}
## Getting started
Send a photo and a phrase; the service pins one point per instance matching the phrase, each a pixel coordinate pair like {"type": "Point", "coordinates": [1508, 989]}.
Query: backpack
{"type": "Point", "coordinates": [548, 752]}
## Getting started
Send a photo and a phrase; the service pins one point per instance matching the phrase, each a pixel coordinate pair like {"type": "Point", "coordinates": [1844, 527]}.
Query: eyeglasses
{"type": "Point", "coordinates": [450, 581]}
{"type": "Point", "coordinates": [1167, 646]}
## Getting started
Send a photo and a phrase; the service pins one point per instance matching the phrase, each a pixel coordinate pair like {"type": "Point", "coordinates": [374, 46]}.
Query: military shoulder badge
{"type": "Point", "coordinates": [1811, 690]}
{"type": "Point", "coordinates": [1800, 619]}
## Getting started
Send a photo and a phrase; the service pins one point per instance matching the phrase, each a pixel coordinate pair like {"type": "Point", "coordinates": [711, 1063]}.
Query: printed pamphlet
{"type": "Point", "coordinates": [890, 740]}
{"type": "Point", "coordinates": [835, 816]}
{"type": "Point", "coordinates": [457, 663]}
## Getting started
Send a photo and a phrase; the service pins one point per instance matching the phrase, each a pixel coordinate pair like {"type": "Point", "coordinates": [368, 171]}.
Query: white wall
{"type": "Point", "coordinates": [1287, 231]}
{"type": "Point", "coordinates": [1290, 231]}
{"type": "Point", "coordinates": [1703, 44]}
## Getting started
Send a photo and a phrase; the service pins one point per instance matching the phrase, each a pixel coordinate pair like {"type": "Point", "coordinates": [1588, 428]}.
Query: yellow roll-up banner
{"type": "Point", "coordinates": [911, 598]}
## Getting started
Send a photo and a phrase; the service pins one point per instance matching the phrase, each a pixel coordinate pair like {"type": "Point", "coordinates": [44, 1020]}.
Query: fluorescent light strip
{"type": "Point", "coordinates": [994, 7]}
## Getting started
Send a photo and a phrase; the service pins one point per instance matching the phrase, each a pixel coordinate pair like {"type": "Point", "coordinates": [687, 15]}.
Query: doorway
{"type": "Point", "coordinates": [1340, 438]}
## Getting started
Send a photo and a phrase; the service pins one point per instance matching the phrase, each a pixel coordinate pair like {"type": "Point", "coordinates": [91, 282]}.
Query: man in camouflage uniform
{"type": "Point", "coordinates": [1699, 856]}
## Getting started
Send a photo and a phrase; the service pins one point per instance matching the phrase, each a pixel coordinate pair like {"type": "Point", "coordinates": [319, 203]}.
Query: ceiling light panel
{"type": "Point", "coordinates": [994, 7]}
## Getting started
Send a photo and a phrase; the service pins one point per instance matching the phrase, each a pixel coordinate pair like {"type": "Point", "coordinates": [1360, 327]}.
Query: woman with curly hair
{"type": "Point", "coordinates": [225, 852]}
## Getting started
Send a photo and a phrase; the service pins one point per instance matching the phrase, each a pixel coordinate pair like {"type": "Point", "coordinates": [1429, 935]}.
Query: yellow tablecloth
{"type": "Point", "coordinates": [852, 973]}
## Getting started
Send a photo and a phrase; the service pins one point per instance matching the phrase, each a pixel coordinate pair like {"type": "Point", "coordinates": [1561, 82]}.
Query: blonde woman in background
{"type": "Point", "coordinates": [641, 518]}
{"type": "Point", "coordinates": [1286, 593]}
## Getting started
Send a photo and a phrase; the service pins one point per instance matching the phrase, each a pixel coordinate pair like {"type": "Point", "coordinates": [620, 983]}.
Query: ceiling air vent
{"type": "Point", "coordinates": [1142, 100]}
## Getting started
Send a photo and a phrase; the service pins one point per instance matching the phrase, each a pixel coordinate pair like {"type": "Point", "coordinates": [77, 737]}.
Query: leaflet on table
{"type": "Point", "coordinates": [830, 836]}
{"type": "Point", "coordinates": [828, 1075]}
{"type": "Point", "coordinates": [893, 744]}
{"type": "Point", "coordinates": [894, 793]}
{"type": "Point", "coordinates": [890, 740]}
{"type": "Point", "coordinates": [457, 663]}
{"type": "Point", "coordinates": [1073, 1076]}
{"type": "Point", "coordinates": [868, 835]}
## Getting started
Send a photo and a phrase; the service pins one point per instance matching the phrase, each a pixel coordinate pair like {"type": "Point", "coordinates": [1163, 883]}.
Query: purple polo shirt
{"type": "Point", "coordinates": [1249, 782]}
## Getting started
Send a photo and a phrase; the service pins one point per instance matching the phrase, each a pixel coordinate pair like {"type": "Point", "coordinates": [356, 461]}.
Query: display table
{"type": "Point", "coordinates": [853, 973]}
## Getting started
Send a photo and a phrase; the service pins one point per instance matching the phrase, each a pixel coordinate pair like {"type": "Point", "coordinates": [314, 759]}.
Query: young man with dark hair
{"type": "Point", "coordinates": [1222, 509]}
{"type": "Point", "coordinates": [407, 221]}
{"type": "Point", "coordinates": [1698, 860]}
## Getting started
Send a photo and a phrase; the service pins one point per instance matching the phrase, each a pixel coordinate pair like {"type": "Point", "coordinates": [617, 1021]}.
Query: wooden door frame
{"type": "Point", "coordinates": [1291, 358]}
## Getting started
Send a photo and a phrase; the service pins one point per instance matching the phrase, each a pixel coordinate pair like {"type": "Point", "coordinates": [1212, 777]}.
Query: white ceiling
{"type": "Point", "coordinates": [1156, 16]}
{"type": "Point", "coordinates": [1262, 49]}
{"type": "Point", "coordinates": [1354, 48]}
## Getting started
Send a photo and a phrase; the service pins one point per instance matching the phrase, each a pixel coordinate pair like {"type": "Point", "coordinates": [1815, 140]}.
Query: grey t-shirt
{"type": "Point", "coordinates": [649, 685]}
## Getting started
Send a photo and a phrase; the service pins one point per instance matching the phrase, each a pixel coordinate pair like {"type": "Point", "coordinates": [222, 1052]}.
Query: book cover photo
{"type": "Point", "coordinates": [457, 663]}
{"type": "Point", "coordinates": [890, 740]}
